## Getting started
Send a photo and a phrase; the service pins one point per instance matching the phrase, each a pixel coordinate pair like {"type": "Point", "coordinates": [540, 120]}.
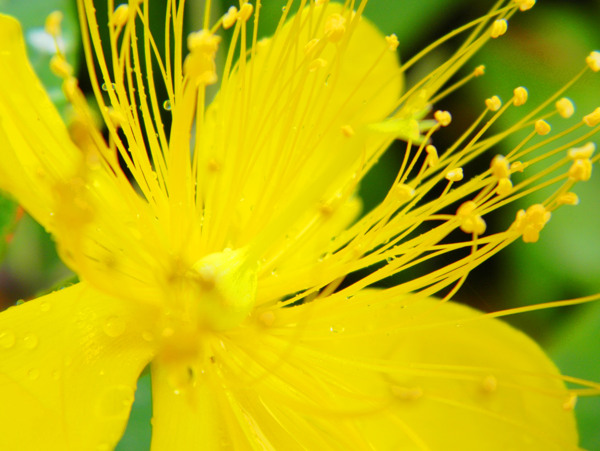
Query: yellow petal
{"type": "Point", "coordinates": [375, 373]}
{"type": "Point", "coordinates": [93, 212]}
{"type": "Point", "coordinates": [289, 128]}
{"type": "Point", "coordinates": [35, 148]}
{"type": "Point", "coordinates": [69, 362]}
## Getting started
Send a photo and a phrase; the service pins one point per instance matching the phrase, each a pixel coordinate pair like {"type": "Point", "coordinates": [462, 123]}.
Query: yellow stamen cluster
{"type": "Point", "coordinates": [470, 220]}
{"type": "Point", "coordinates": [335, 27]}
{"type": "Point", "coordinates": [581, 168]}
{"type": "Point", "coordinates": [530, 222]}
{"type": "Point", "coordinates": [200, 64]}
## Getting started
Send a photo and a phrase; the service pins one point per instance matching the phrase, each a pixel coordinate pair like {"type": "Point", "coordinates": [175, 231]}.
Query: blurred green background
{"type": "Point", "coordinates": [543, 49]}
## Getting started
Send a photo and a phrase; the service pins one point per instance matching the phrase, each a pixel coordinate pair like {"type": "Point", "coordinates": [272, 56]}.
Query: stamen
{"type": "Point", "coordinates": [230, 17]}
{"type": "Point", "coordinates": [499, 27]}
{"type": "Point", "coordinates": [565, 107]}
{"type": "Point", "coordinates": [521, 95]}
{"type": "Point", "coordinates": [593, 61]}
{"type": "Point", "coordinates": [335, 27]}
{"type": "Point", "coordinates": [444, 117]}
{"type": "Point", "coordinates": [393, 42]}
{"type": "Point", "coordinates": [493, 103]}
{"type": "Point", "coordinates": [592, 119]}
{"type": "Point", "coordinates": [542, 127]}
{"type": "Point", "coordinates": [455, 175]}
{"type": "Point", "coordinates": [470, 222]}
{"type": "Point", "coordinates": [120, 16]}
{"type": "Point", "coordinates": [529, 223]}
{"type": "Point", "coordinates": [524, 5]}
{"type": "Point", "coordinates": [52, 25]}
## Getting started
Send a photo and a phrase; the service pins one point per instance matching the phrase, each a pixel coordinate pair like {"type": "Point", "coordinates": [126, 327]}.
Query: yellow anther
{"type": "Point", "coordinates": [489, 384]}
{"type": "Point", "coordinates": [582, 153]}
{"type": "Point", "coordinates": [493, 103]}
{"type": "Point", "coordinates": [479, 71]}
{"type": "Point", "coordinates": [580, 170]}
{"type": "Point", "coordinates": [529, 223]}
{"type": "Point", "coordinates": [203, 41]}
{"type": "Point", "coordinates": [70, 88]}
{"type": "Point", "coordinates": [568, 199]}
{"type": "Point", "coordinates": [316, 64]}
{"type": "Point", "coordinates": [542, 127]}
{"type": "Point", "coordinates": [392, 41]}
{"type": "Point", "coordinates": [310, 46]}
{"type": "Point", "coordinates": [52, 25]}
{"type": "Point", "coordinates": [499, 27]}
{"type": "Point", "coordinates": [520, 96]}
{"type": "Point", "coordinates": [570, 403]}
{"type": "Point", "coordinates": [455, 175]}
{"type": "Point", "coordinates": [335, 27]}
{"type": "Point", "coordinates": [470, 222]}
{"type": "Point", "coordinates": [500, 167]}
{"type": "Point", "coordinates": [516, 166]}
{"type": "Point", "coordinates": [60, 67]}
{"type": "Point", "coordinates": [565, 107]}
{"type": "Point", "coordinates": [200, 64]}
{"type": "Point", "coordinates": [245, 12]}
{"type": "Point", "coordinates": [267, 319]}
{"type": "Point", "coordinates": [347, 131]}
{"type": "Point", "coordinates": [504, 187]}
{"type": "Point", "coordinates": [443, 117]}
{"type": "Point", "coordinates": [230, 17]}
{"type": "Point", "coordinates": [407, 393]}
{"type": "Point", "coordinates": [592, 119]}
{"type": "Point", "coordinates": [593, 61]}
{"type": "Point", "coordinates": [432, 156]}
{"type": "Point", "coordinates": [524, 5]}
{"type": "Point", "coordinates": [116, 117]}
{"type": "Point", "coordinates": [120, 16]}
{"type": "Point", "coordinates": [403, 192]}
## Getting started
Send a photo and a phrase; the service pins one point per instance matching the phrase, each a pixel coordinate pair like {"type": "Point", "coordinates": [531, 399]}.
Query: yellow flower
{"type": "Point", "coordinates": [215, 249]}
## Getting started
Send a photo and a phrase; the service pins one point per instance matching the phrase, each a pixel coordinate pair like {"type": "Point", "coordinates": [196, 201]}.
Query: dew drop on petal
{"type": "Point", "coordinates": [30, 341]}
{"type": "Point", "coordinates": [167, 105]}
{"type": "Point", "coordinates": [114, 326]}
{"type": "Point", "coordinates": [7, 339]}
{"type": "Point", "coordinates": [33, 374]}
{"type": "Point", "coordinates": [337, 328]}
{"type": "Point", "coordinates": [56, 375]}
{"type": "Point", "coordinates": [44, 306]}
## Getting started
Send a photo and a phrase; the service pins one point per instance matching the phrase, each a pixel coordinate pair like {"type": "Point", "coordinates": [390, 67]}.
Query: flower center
{"type": "Point", "coordinates": [227, 289]}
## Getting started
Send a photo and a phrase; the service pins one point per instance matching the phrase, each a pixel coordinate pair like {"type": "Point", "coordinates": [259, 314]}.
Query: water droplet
{"type": "Point", "coordinates": [337, 329]}
{"type": "Point", "coordinates": [20, 302]}
{"type": "Point", "coordinates": [114, 326]}
{"type": "Point", "coordinates": [283, 9]}
{"type": "Point", "coordinates": [7, 339]}
{"type": "Point", "coordinates": [116, 402]}
{"type": "Point", "coordinates": [44, 306]}
{"type": "Point", "coordinates": [167, 105]}
{"type": "Point", "coordinates": [33, 374]}
{"type": "Point", "coordinates": [56, 375]}
{"type": "Point", "coordinates": [147, 336]}
{"type": "Point", "coordinates": [106, 87]}
{"type": "Point", "coordinates": [30, 341]}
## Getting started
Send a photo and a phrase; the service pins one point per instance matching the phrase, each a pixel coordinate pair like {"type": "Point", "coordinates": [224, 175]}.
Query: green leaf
{"type": "Point", "coordinates": [575, 349]}
{"type": "Point", "coordinates": [138, 433]}
{"type": "Point", "coordinates": [8, 213]}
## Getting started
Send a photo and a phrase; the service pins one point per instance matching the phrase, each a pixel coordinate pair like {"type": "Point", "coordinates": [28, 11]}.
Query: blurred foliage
{"type": "Point", "coordinates": [563, 264]}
